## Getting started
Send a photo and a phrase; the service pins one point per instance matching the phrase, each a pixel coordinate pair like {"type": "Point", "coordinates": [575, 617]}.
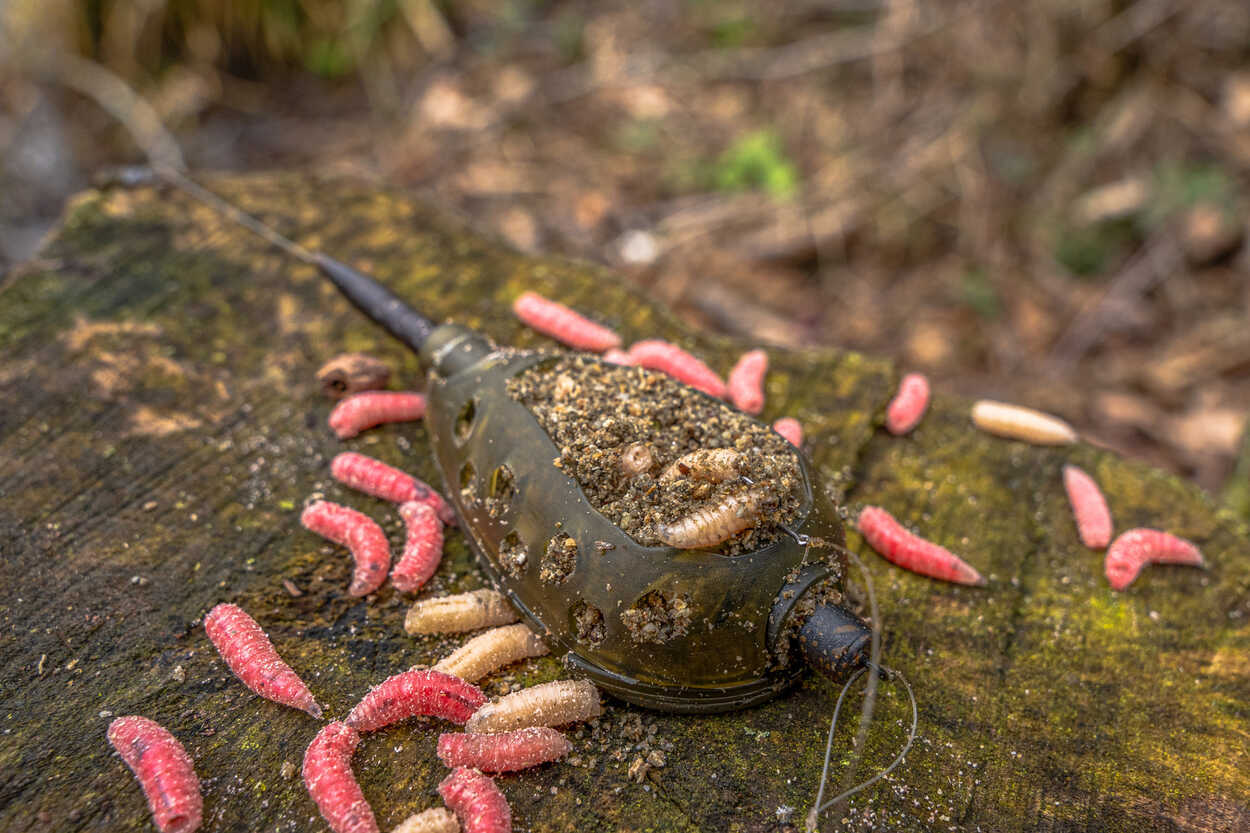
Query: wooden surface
{"type": "Point", "coordinates": [160, 428]}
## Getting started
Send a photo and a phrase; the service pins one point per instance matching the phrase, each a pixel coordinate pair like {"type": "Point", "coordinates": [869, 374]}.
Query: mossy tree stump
{"type": "Point", "coordinates": [161, 427]}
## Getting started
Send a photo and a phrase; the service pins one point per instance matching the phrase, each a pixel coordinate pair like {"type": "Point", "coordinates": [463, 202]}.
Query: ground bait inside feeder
{"type": "Point", "coordinates": [595, 412]}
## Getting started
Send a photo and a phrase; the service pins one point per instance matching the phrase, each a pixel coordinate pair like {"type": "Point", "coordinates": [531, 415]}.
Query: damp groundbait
{"type": "Point", "coordinates": [715, 465]}
{"type": "Point", "coordinates": [365, 410]}
{"type": "Point", "coordinates": [503, 752]}
{"type": "Point", "coordinates": [746, 381]}
{"type": "Point", "coordinates": [251, 656]}
{"type": "Point", "coordinates": [412, 693]}
{"type": "Point", "coordinates": [712, 525]}
{"type": "Point", "coordinates": [563, 324]}
{"type": "Point", "coordinates": [676, 362]}
{"type": "Point", "coordinates": [433, 820]}
{"type": "Point", "coordinates": [908, 406]}
{"type": "Point", "coordinates": [791, 429]}
{"type": "Point", "coordinates": [423, 547]}
{"type": "Point", "coordinates": [164, 769]}
{"type": "Point", "coordinates": [459, 613]}
{"type": "Point", "coordinates": [329, 779]}
{"type": "Point", "coordinates": [1136, 548]}
{"type": "Point", "coordinates": [1089, 506]}
{"type": "Point", "coordinates": [1017, 423]}
{"type": "Point", "coordinates": [360, 534]}
{"type": "Point", "coordinates": [911, 552]}
{"type": "Point", "coordinates": [490, 651]}
{"type": "Point", "coordinates": [373, 477]}
{"type": "Point", "coordinates": [549, 704]}
{"type": "Point", "coordinates": [478, 803]}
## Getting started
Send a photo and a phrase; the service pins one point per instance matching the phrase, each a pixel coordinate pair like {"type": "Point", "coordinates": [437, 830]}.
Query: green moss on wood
{"type": "Point", "coordinates": [165, 427]}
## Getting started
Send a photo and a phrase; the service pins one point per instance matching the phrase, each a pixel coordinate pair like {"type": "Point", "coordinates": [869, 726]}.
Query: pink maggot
{"type": "Point", "coordinates": [911, 552]}
{"type": "Point", "coordinates": [563, 324]}
{"type": "Point", "coordinates": [251, 656]}
{"type": "Point", "coordinates": [358, 533]}
{"type": "Point", "coordinates": [423, 547]}
{"type": "Point", "coordinates": [329, 779]}
{"type": "Point", "coordinates": [504, 752]}
{"type": "Point", "coordinates": [479, 804]}
{"type": "Point", "coordinates": [676, 362]}
{"type": "Point", "coordinates": [618, 356]}
{"type": "Point", "coordinates": [1093, 518]}
{"type": "Point", "coordinates": [791, 429]}
{"type": "Point", "coordinates": [373, 477]}
{"type": "Point", "coordinates": [364, 410]}
{"type": "Point", "coordinates": [746, 381]}
{"type": "Point", "coordinates": [1134, 549]}
{"type": "Point", "coordinates": [416, 692]}
{"type": "Point", "coordinates": [164, 769]}
{"type": "Point", "coordinates": [908, 406]}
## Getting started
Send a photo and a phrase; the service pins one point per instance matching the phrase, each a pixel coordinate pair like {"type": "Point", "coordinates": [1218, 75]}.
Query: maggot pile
{"type": "Point", "coordinates": [621, 429]}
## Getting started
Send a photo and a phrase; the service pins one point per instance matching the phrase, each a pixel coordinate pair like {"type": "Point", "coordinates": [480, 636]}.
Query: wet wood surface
{"type": "Point", "coordinates": [161, 426]}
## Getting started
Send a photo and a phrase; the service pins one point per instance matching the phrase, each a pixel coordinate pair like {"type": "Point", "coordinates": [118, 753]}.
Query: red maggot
{"type": "Point", "coordinates": [1134, 549]}
{"type": "Point", "coordinates": [676, 362]}
{"type": "Point", "coordinates": [746, 381]}
{"type": "Point", "coordinates": [360, 534]}
{"type": "Point", "coordinates": [504, 752]}
{"type": "Point", "coordinates": [164, 769]}
{"type": "Point", "coordinates": [911, 552]}
{"type": "Point", "coordinates": [907, 407]}
{"type": "Point", "coordinates": [563, 324]}
{"type": "Point", "coordinates": [416, 692]}
{"type": "Point", "coordinates": [251, 656]}
{"type": "Point", "coordinates": [423, 547]}
{"type": "Point", "coordinates": [329, 779]}
{"type": "Point", "coordinates": [1093, 517]}
{"type": "Point", "coordinates": [791, 429]}
{"type": "Point", "coordinates": [364, 410]}
{"type": "Point", "coordinates": [373, 477]}
{"type": "Point", "coordinates": [479, 804]}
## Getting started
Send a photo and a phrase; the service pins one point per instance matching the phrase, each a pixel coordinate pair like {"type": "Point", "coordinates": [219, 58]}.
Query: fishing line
{"type": "Point", "coordinates": [866, 711]}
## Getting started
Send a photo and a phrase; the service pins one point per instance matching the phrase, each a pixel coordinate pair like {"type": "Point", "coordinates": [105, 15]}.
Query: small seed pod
{"type": "Point", "coordinates": [746, 381]}
{"type": "Point", "coordinates": [676, 362]}
{"type": "Point", "coordinates": [907, 407]}
{"type": "Point", "coordinates": [549, 704]}
{"type": "Point", "coordinates": [349, 528]}
{"type": "Point", "coordinates": [712, 525]}
{"type": "Point", "coordinates": [373, 477]}
{"type": "Point", "coordinates": [459, 613]}
{"type": "Point", "coordinates": [563, 324]}
{"type": "Point", "coordinates": [636, 459]}
{"type": "Point", "coordinates": [423, 547]}
{"type": "Point", "coordinates": [1134, 549]}
{"type": "Point", "coordinates": [791, 429]}
{"type": "Point", "coordinates": [1016, 423]}
{"type": "Point", "coordinates": [911, 552]}
{"type": "Point", "coordinates": [365, 410]}
{"type": "Point", "coordinates": [329, 779]}
{"type": "Point", "coordinates": [352, 373]}
{"type": "Point", "coordinates": [490, 651]}
{"type": "Point", "coordinates": [715, 465]}
{"type": "Point", "coordinates": [1093, 518]}
{"type": "Point", "coordinates": [164, 769]}
{"type": "Point", "coordinates": [416, 692]}
{"type": "Point", "coordinates": [251, 656]}
{"type": "Point", "coordinates": [433, 820]}
{"type": "Point", "coordinates": [478, 803]}
{"type": "Point", "coordinates": [504, 752]}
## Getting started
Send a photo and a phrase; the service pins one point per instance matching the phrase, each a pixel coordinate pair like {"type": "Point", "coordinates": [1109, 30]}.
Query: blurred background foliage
{"type": "Point", "coordinates": [1042, 201]}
